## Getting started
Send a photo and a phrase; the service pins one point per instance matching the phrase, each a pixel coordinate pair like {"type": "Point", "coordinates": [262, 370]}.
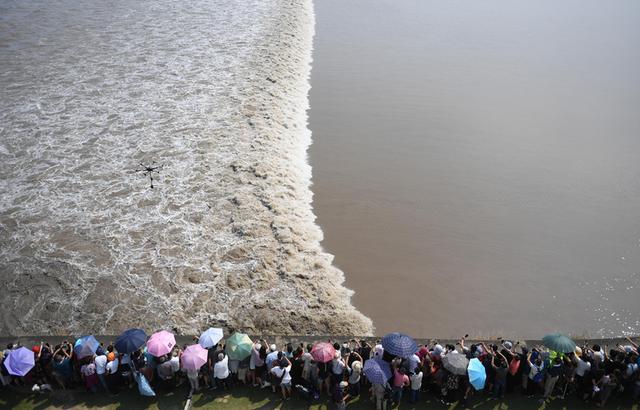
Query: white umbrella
{"type": "Point", "coordinates": [210, 337]}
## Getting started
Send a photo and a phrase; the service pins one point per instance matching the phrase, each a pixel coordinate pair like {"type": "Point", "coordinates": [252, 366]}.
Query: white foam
{"type": "Point", "coordinates": [216, 92]}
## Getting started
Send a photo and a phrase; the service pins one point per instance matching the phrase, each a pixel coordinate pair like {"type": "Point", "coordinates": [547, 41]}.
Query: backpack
{"type": "Point", "coordinates": [537, 377]}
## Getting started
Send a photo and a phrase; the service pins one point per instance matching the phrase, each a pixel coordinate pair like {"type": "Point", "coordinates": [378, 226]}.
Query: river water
{"type": "Point", "coordinates": [477, 164]}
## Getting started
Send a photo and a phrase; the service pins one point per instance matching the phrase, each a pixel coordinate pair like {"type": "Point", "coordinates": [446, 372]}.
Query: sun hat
{"type": "Point", "coordinates": [356, 365]}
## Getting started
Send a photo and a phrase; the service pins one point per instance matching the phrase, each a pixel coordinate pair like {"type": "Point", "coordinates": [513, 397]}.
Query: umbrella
{"type": "Point", "coordinates": [559, 343]}
{"type": "Point", "coordinates": [377, 370]}
{"type": "Point", "coordinates": [161, 343]}
{"type": "Point", "coordinates": [477, 374]}
{"type": "Point", "coordinates": [399, 344]}
{"type": "Point", "coordinates": [194, 357]}
{"type": "Point", "coordinates": [323, 352]}
{"type": "Point", "coordinates": [85, 346]}
{"type": "Point", "coordinates": [210, 337]}
{"type": "Point", "coordinates": [130, 340]}
{"type": "Point", "coordinates": [20, 361]}
{"type": "Point", "coordinates": [238, 346]}
{"type": "Point", "coordinates": [456, 363]}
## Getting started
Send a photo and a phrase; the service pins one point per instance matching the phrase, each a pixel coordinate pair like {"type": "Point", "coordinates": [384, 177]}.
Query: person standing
{"type": "Point", "coordinates": [282, 372]}
{"type": "Point", "coordinates": [221, 371]}
{"type": "Point", "coordinates": [101, 365]}
{"type": "Point", "coordinates": [553, 374]}
{"type": "Point", "coordinates": [416, 384]}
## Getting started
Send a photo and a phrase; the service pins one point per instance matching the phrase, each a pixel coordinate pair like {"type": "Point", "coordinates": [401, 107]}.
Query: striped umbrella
{"type": "Point", "coordinates": [399, 344]}
{"type": "Point", "coordinates": [377, 371]}
{"type": "Point", "coordinates": [323, 352]}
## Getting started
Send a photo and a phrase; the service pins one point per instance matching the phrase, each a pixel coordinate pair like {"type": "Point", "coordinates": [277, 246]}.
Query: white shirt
{"type": "Point", "coordinates": [306, 358]}
{"type": "Point", "coordinates": [112, 366]}
{"type": "Point", "coordinates": [175, 363]}
{"type": "Point", "coordinates": [277, 371]}
{"type": "Point", "coordinates": [101, 363]}
{"type": "Point", "coordinates": [582, 367]}
{"type": "Point", "coordinates": [416, 381]}
{"type": "Point", "coordinates": [221, 368]}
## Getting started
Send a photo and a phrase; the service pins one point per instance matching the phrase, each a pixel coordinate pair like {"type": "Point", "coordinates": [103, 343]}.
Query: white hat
{"type": "Point", "coordinates": [273, 347]}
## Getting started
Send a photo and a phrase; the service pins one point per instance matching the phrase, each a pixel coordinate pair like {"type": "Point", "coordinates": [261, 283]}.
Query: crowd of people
{"type": "Point", "coordinates": [338, 371]}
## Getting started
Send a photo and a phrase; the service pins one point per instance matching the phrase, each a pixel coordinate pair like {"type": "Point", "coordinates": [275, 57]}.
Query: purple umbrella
{"type": "Point", "coordinates": [20, 361]}
{"type": "Point", "coordinates": [377, 370]}
{"type": "Point", "coordinates": [194, 357]}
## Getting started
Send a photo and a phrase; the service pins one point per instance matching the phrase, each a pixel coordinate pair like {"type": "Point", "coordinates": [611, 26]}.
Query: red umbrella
{"type": "Point", "coordinates": [323, 352]}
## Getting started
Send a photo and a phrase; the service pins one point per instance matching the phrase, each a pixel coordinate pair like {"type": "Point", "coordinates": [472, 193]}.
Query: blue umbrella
{"type": "Point", "coordinates": [377, 370]}
{"type": "Point", "coordinates": [85, 346]}
{"type": "Point", "coordinates": [399, 344]}
{"type": "Point", "coordinates": [130, 340]}
{"type": "Point", "coordinates": [477, 374]}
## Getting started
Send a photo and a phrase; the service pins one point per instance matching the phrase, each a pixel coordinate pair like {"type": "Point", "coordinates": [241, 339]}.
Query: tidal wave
{"type": "Point", "coordinates": [214, 94]}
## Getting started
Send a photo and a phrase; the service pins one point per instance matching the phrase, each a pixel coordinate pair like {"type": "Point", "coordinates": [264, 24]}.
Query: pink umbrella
{"type": "Point", "coordinates": [323, 352]}
{"type": "Point", "coordinates": [161, 343]}
{"type": "Point", "coordinates": [194, 357]}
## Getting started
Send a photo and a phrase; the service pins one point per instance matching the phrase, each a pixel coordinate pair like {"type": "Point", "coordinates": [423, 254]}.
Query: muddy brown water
{"type": "Point", "coordinates": [476, 165]}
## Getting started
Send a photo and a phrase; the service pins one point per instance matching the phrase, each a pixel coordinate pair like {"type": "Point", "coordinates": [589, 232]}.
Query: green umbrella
{"type": "Point", "coordinates": [559, 343]}
{"type": "Point", "coordinates": [238, 346]}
